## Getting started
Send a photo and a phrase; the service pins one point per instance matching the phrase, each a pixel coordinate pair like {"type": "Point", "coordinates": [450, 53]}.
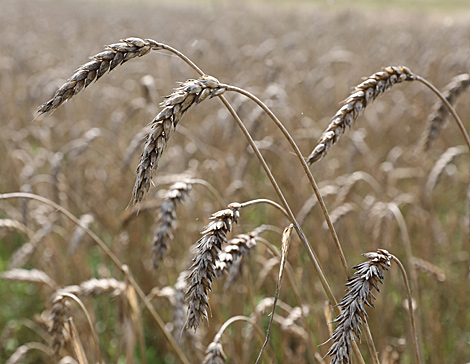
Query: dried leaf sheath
{"type": "Point", "coordinates": [175, 106]}
{"type": "Point", "coordinates": [204, 266]}
{"type": "Point", "coordinates": [114, 55]}
{"type": "Point", "coordinates": [359, 294]}
{"type": "Point", "coordinates": [365, 92]}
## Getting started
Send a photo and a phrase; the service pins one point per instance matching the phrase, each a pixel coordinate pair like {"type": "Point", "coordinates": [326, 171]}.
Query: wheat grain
{"type": "Point", "coordinates": [359, 294]}
{"type": "Point", "coordinates": [362, 94]}
{"type": "Point", "coordinates": [204, 266]}
{"type": "Point", "coordinates": [437, 119]}
{"type": "Point", "coordinates": [175, 106]}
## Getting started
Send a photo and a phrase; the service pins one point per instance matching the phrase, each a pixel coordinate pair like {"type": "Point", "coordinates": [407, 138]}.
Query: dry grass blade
{"type": "Point", "coordinates": [175, 106]}
{"type": "Point", "coordinates": [286, 237]}
{"type": "Point", "coordinates": [204, 266]}
{"type": "Point", "coordinates": [167, 219]}
{"type": "Point", "coordinates": [363, 93]}
{"type": "Point", "coordinates": [114, 55]}
{"type": "Point", "coordinates": [359, 294]}
{"type": "Point", "coordinates": [437, 119]}
{"type": "Point", "coordinates": [76, 342]}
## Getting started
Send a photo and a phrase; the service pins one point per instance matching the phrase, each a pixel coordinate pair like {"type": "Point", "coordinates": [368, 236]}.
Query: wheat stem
{"type": "Point", "coordinates": [304, 166]}
{"type": "Point", "coordinates": [90, 322]}
{"type": "Point", "coordinates": [410, 309]}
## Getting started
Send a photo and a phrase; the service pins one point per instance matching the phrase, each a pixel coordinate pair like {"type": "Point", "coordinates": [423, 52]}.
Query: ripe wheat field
{"type": "Point", "coordinates": [173, 202]}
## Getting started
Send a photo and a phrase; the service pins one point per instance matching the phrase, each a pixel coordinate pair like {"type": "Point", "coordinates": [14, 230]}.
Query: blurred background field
{"type": "Point", "coordinates": [301, 58]}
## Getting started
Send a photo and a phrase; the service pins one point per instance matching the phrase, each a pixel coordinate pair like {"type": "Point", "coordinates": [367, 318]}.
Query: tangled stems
{"type": "Point", "coordinates": [113, 258]}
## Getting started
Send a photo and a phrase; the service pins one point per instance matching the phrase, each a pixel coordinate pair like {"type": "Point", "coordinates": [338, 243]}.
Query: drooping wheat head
{"type": "Point", "coordinates": [359, 295]}
{"type": "Point", "coordinates": [214, 354]}
{"type": "Point", "coordinates": [167, 219]}
{"type": "Point", "coordinates": [437, 119]}
{"type": "Point", "coordinates": [362, 94]}
{"type": "Point", "coordinates": [204, 266]}
{"type": "Point", "coordinates": [114, 55]}
{"type": "Point", "coordinates": [234, 252]}
{"type": "Point", "coordinates": [175, 106]}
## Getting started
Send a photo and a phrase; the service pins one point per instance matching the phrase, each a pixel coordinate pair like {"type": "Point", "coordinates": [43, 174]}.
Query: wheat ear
{"type": "Point", "coordinates": [175, 106]}
{"type": "Point", "coordinates": [437, 119]}
{"type": "Point", "coordinates": [362, 94]}
{"type": "Point", "coordinates": [359, 294]}
{"type": "Point", "coordinates": [204, 266]}
{"type": "Point", "coordinates": [167, 219]}
{"type": "Point", "coordinates": [114, 55]}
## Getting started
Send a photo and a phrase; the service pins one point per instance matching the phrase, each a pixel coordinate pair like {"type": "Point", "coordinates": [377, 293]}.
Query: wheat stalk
{"type": "Point", "coordinates": [204, 266]}
{"type": "Point", "coordinates": [362, 94]}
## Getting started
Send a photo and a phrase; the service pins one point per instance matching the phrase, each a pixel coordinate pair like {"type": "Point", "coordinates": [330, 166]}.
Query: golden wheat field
{"type": "Point", "coordinates": [225, 172]}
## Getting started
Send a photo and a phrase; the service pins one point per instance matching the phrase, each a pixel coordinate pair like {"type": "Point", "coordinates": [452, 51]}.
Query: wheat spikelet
{"type": "Point", "coordinates": [94, 287]}
{"type": "Point", "coordinates": [175, 106]}
{"type": "Point", "coordinates": [20, 353]}
{"type": "Point", "coordinates": [359, 294]}
{"type": "Point", "coordinates": [445, 159]}
{"type": "Point", "coordinates": [59, 316]}
{"type": "Point", "coordinates": [230, 257]}
{"type": "Point", "coordinates": [437, 119]}
{"type": "Point", "coordinates": [31, 276]}
{"type": "Point", "coordinates": [79, 233]}
{"type": "Point", "coordinates": [167, 219]}
{"type": "Point", "coordinates": [204, 266]}
{"type": "Point", "coordinates": [428, 268]}
{"type": "Point", "coordinates": [114, 55]}
{"type": "Point", "coordinates": [214, 354]}
{"type": "Point", "coordinates": [340, 212]}
{"type": "Point", "coordinates": [14, 225]}
{"type": "Point", "coordinates": [362, 94]}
